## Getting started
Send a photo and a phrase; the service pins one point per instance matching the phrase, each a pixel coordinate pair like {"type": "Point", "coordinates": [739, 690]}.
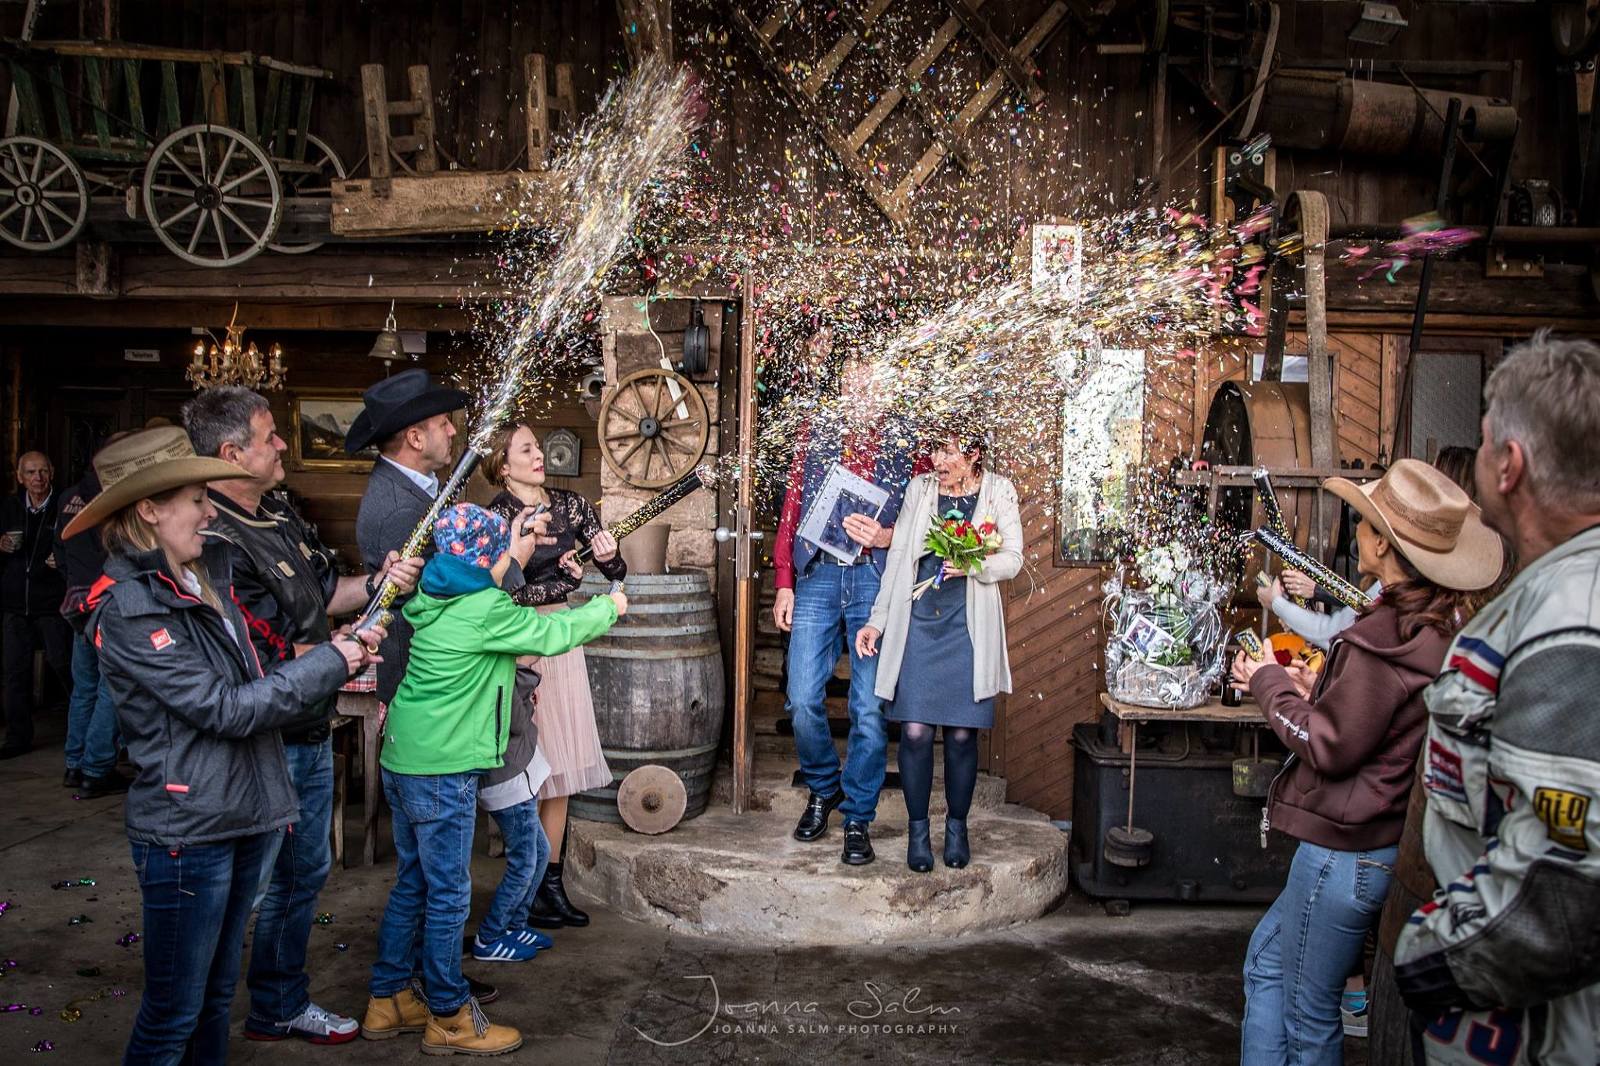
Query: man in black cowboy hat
{"type": "Point", "coordinates": [408, 418]}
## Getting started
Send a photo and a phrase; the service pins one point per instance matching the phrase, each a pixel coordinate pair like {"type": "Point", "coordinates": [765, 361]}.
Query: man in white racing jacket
{"type": "Point", "coordinates": [1502, 966]}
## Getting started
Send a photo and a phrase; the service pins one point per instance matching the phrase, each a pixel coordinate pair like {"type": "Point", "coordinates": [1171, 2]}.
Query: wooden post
{"type": "Point", "coordinates": [536, 102]}
{"type": "Point", "coordinates": [744, 627]}
{"type": "Point", "coordinates": [423, 128]}
{"type": "Point", "coordinates": [566, 97]}
{"type": "Point", "coordinates": [646, 28]}
{"type": "Point", "coordinates": [375, 109]}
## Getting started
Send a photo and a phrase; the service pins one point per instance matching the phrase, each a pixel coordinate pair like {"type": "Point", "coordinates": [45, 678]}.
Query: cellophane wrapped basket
{"type": "Point", "coordinates": [1165, 643]}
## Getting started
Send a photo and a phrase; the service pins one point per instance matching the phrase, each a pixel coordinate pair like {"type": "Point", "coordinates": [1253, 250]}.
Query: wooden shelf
{"type": "Point", "coordinates": [1247, 713]}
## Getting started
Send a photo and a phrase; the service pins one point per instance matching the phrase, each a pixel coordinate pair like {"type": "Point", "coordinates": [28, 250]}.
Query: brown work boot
{"type": "Point", "coordinates": [403, 1012]}
{"type": "Point", "coordinates": [468, 1032]}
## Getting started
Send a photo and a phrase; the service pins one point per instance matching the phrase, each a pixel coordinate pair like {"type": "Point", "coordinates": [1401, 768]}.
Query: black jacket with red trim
{"type": "Point", "coordinates": [200, 721]}
{"type": "Point", "coordinates": [283, 581]}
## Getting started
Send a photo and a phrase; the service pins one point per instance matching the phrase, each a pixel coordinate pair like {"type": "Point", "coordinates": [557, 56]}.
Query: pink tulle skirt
{"type": "Point", "coordinates": [564, 713]}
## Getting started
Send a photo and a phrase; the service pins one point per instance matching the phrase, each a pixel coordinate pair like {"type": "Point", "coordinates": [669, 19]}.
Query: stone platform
{"type": "Point", "coordinates": [745, 878]}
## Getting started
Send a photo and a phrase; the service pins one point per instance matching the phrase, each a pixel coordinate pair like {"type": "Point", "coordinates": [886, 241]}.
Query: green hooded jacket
{"type": "Point", "coordinates": [450, 713]}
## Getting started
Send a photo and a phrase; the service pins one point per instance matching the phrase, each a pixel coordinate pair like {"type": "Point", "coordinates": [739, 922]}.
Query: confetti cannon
{"type": "Point", "coordinates": [378, 611]}
{"type": "Point", "coordinates": [700, 477]}
{"type": "Point", "coordinates": [1273, 512]}
{"type": "Point", "coordinates": [1326, 579]}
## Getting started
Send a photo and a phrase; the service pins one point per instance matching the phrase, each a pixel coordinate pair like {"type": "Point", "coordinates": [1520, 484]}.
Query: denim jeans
{"type": "Point", "coordinates": [91, 716]}
{"type": "Point", "coordinates": [527, 855]}
{"type": "Point", "coordinates": [1301, 953]}
{"type": "Point", "coordinates": [831, 603]}
{"type": "Point", "coordinates": [196, 904]}
{"type": "Point", "coordinates": [434, 817]}
{"type": "Point", "coordinates": [298, 861]}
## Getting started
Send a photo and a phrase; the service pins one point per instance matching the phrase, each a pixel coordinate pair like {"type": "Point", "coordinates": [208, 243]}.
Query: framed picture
{"type": "Point", "coordinates": [1102, 447]}
{"type": "Point", "coordinates": [563, 453]}
{"type": "Point", "coordinates": [318, 422]}
{"type": "Point", "coordinates": [1056, 258]}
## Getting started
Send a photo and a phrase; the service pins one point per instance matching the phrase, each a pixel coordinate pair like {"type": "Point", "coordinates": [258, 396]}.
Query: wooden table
{"type": "Point", "coordinates": [364, 707]}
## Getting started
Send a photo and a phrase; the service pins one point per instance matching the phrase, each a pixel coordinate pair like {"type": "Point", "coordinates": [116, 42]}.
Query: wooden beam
{"type": "Point", "coordinates": [422, 128]}
{"type": "Point", "coordinates": [775, 21]}
{"type": "Point", "coordinates": [891, 96]}
{"type": "Point", "coordinates": [375, 112]}
{"type": "Point", "coordinates": [454, 201]}
{"type": "Point", "coordinates": [1012, 62]}
{"type": "Point", "coordinates": [536, 106]}
{"type": "Point", "coordinates": [854, 165]}
{"type": "Point", "coordinates": [181, 314]}
{"type": "Point", "coordinates": [843, 47]}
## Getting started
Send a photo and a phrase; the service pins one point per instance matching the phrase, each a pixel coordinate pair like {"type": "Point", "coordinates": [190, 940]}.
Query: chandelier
{"type": "Point", "coordinates": [232, 362]}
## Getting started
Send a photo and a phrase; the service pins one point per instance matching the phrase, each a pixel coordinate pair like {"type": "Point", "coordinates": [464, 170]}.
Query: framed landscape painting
{"type": "Point", "coordinates": [318, 422]}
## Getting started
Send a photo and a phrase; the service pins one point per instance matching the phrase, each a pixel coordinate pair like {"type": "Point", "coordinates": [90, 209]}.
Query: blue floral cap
{"type": "Point", "coordinates": [472, 535]}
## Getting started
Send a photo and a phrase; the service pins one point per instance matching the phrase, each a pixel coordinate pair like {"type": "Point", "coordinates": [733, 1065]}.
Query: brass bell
{"type": "Point", "coordinates": [387, 347]}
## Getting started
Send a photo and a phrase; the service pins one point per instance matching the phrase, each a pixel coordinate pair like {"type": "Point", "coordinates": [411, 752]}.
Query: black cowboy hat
{"type": "Point", "coordinates": [396, 402]}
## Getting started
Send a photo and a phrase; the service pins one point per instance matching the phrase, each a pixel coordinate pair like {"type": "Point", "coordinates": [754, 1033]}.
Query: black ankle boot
{"type": "Point", "coordinates": [570, 915]}
{"type": "Point", "coordinates": [919, 849]}
{"type": "Point", "coordinates": [545, 912]}
{"type": "Point", "coordinates": [956, 853]}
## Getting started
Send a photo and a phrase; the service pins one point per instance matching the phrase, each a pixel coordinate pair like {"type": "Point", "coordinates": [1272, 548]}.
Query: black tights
{"type": "Point", "coordinates": [916, 768]}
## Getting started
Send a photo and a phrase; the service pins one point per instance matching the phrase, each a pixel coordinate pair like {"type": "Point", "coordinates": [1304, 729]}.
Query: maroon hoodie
{"type": "Point", "coordinates": [1355, 742]}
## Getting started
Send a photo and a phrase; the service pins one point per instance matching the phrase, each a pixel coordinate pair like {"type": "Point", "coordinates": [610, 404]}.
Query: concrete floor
{"type": "Point", "coordinates": [1159, 987]}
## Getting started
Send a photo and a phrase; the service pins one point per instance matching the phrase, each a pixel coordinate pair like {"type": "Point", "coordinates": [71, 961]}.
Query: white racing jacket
{"type": "Point", "coordinates": [1505, 960]}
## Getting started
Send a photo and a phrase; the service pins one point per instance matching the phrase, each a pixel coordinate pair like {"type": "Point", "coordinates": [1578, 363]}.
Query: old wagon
{"type": "Point", "coordinates": [203, 146]}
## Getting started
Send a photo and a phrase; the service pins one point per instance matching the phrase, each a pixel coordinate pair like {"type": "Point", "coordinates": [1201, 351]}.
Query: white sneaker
{"type": "Point", "coordinates": [313, 1025]}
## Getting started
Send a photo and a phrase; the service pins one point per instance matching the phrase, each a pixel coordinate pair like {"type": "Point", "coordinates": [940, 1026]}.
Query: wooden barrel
{"type": "Point", "coordinates": [658, 686]}
{"type": "Point", "coordinates": [1267, 423]}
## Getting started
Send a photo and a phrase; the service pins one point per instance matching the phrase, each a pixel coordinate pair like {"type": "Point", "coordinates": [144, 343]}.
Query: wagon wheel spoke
{"type": "Point", "coordinates": [186, 172]}
{"type": "Point", "coordinates": [181, 214]}
{"type": "Point", "coordinates": [638, 397]}
{"type": "Point", "coordinates": [53, 209]}
{"type": "Point", "coordinates": [56, 194]}
{"type": "Point", "coordinates": [245, 201]}
{"type": "Point", "coordinates": [200, 224]}
{"type": "Point", "coordinates": [236, 182]}
{"type": "Point", "coordinates": [679, 423]}
{"type": "Point", "coordinates": [16, 155]}
{"type": "Point", "coordinates": [27, 224]}
{"type": "Point", "coordinates": [662, 390]}
{"type": "Point", "coordinates": [38, 165]}
{"type": "Point", "coordinates": [624, 435]}
{"type": "Point", "coordinates": [53, 175]}
{"type": "Point", "coordinates": [200, 143]}
{"type": "Point", "coordinates": [666, 460]}
{"type": "Point", "coordinates": [227, 157]}
{"type": "Point", "coordinates": [237, 221]}
{"type": "Point", "coordinates": [49, 234]}
{"type": "Point", "coordinates": [8, 212]}
{"type": "Point", "coordinates": [222, 238]}
{"type": "Point", "coordinates": [622, 460]}
{"type": "Point", "coordinates": [171, 190]}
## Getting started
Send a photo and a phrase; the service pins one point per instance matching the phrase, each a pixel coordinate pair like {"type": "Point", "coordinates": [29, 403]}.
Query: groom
{"type": "Point", "coordinates": [822, 601]}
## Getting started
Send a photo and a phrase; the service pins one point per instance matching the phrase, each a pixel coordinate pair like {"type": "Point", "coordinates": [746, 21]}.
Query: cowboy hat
{"type": "Point", "coordinates": [146, 463]}
{"type": "Point", "coordinates": [397, 402]}
{"type": "Point", "coordinates": [1430, 521]}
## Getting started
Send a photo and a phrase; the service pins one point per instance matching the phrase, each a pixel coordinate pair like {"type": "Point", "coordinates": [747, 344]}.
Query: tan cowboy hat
{"type": "Point", "coordinates": [142, 464]}
{"type": "Point", "coordinates": [1430, 521]}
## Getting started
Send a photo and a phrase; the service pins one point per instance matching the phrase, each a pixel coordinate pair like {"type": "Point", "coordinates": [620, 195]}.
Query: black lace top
{"type": "Point", "coordinates": [573, 522]}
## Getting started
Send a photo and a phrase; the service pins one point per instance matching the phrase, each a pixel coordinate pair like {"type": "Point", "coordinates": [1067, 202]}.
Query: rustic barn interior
{"type": "Point", "coordinates": [934, 132]}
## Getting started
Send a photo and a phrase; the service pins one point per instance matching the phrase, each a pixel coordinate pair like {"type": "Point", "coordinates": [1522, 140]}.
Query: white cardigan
{"type": "Point", "coordinates": [986, 622]}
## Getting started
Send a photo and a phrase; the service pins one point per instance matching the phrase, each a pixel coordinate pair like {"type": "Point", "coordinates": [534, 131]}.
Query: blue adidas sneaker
{"type": "Point", "coordinates": [512, 947]}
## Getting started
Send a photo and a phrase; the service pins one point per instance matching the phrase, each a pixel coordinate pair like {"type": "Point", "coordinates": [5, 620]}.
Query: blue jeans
{"type": "Point", "coordinates": [527, 855]}
{"type": "Point", "coordinates": [298, 861]}
{"type": "Point", "coordinates": [1305, 947]}
{"type": "Point", "coordinates": [196, 904]}
{"type": "Point", "coordinates": [832, 603]}
{"type": "Point", "coordinates": [434, 817]}
{"type": "Point", "coordinates": [91, 716]}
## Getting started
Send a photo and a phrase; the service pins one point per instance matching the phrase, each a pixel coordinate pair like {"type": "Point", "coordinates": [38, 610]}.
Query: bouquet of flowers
{"type": "Point", "coordinates": [959, 543]}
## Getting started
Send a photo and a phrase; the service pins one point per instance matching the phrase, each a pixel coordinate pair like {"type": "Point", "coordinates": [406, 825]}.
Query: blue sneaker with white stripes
{"type": "Point", "coordinates": [512, 947]}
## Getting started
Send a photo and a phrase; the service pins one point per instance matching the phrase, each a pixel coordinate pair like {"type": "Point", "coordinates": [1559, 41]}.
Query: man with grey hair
{"type": "Point", "coordinates": [31, 591]}
{"type": "Point", "coordinates": [286, 586]}
{"type": "Point", "coordinates": [1503, 964]}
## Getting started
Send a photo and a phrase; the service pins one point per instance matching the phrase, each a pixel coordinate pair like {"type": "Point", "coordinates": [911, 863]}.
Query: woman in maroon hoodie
{"type": "Point", "coordinates": [1353, 733]}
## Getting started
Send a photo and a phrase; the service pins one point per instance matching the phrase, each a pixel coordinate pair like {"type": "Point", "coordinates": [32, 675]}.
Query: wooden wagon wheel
{"type": "Point", "coordinates": [212, 195]}
{"type": "Point", "coordinates": [316, 184]}
{"type": "Point", "coordinates": [649, 436]}
{"type": "Point", "coordinates": [44, 201]}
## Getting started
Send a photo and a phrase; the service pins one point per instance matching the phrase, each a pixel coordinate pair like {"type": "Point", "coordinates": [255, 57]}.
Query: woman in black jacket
{"type": "Point", "coordinates": [201, 724]}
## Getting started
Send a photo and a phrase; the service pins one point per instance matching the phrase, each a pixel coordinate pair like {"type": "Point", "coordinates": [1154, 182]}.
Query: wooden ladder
{"type": "Point", "coordinates": [951, 137]}
{"type": "Point", "coordinates": [415, 152]}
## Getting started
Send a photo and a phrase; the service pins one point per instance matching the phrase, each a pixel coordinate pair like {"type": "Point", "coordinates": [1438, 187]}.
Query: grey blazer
{"type": "Point", "coordinates": [390, 510]}
{"type": "Point", "coordinates": [986, 612]}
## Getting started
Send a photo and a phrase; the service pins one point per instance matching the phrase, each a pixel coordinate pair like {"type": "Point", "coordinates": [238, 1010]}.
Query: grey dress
{"type": "Point", "coordinates": [936, 674]}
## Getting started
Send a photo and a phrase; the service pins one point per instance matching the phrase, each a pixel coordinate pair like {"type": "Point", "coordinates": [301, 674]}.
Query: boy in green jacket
{"type": "Point", "coordinates": [448, 723]}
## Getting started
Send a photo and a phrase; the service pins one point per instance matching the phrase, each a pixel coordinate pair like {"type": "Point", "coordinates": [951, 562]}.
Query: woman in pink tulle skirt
{"type": "Point", "coordinates": [564, 711]}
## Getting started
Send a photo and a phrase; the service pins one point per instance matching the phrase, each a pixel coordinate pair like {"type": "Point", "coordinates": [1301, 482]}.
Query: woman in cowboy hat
{"type": "Point", "coordinates": [201, 724]}
{"type": "Point", "coordinates": [1354, 735]}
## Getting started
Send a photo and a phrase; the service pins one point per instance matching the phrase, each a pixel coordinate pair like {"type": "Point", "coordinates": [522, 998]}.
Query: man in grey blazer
{"type": "Point", "coordinates": [408, 418]}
